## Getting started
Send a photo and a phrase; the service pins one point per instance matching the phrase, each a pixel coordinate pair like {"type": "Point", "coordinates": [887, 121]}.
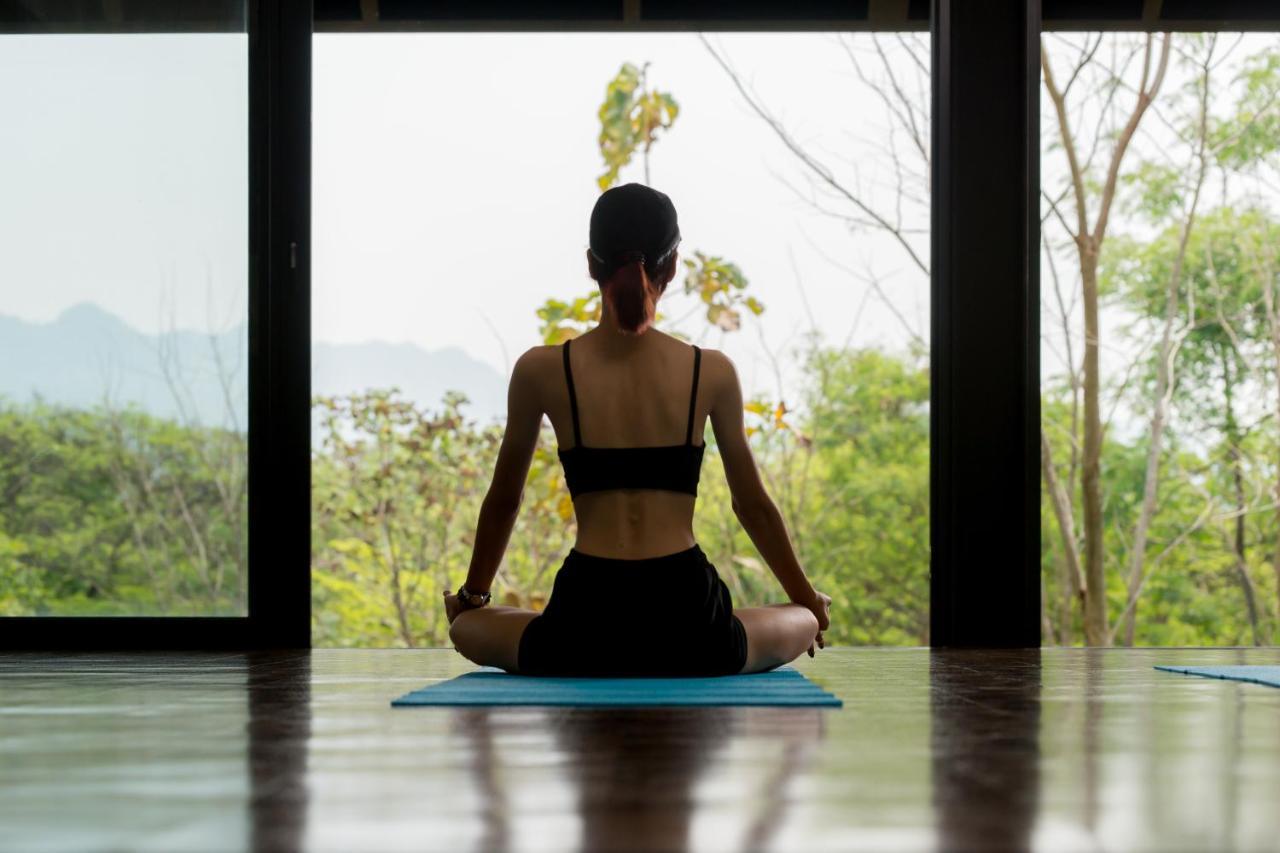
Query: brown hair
{"type": "Point", "coordinates": [633, 289]}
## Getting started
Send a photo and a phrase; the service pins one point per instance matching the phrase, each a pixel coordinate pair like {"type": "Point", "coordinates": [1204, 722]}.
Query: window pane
{"type": "Point", "coordinates": [454, 177]}
{"type": "Point", "coordinates": [1161, 338]}
{"type": "Point", "coordinates": [123, 335]}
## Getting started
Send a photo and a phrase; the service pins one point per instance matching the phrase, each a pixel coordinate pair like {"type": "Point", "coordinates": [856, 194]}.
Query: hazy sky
{"type": "Point", "coordinates": [123, 174]}
{"type": "Point", "coordinates": [454, 175]}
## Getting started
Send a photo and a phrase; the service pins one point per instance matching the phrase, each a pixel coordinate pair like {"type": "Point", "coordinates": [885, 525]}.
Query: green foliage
{"type": "Point", "coordinates": [1251, 136]}
{"type": "Point", "coordinates": [563, 321]}
{"type": "Point", "coordinates": [1156, 190]}
{"type": "Point", "coordinates": [869, 544]}
{"type": "Point", "coordinates": [1192, 289]}
{"type": "Point", "coordinates": [1192, 594]}
{"type": "Point", "coordinates": [850, 477]}
{"type": "Point", "coordinates": [116, 513]}
{"type": "Point", "coordinates": [396, 491]}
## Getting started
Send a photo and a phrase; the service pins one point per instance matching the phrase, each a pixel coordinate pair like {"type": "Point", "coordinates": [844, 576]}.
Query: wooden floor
{"type": "Point", "coordinates": [1054, 750]}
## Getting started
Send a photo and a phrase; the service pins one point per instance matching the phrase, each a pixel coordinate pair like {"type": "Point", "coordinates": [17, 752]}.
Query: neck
{"type": "Point", "coordinates": [611, 335]}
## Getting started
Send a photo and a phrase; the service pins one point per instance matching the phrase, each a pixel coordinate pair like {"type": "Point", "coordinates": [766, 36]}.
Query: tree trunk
{"type": "Point", "coordinates": [1237, 478]}
{"type": "Point", "coordinates": [1275, 546]}
{"type": "Point", "coordinates": [1165, 381]}
{"type": "Point", "coordinates": [1155, 442]}
{"type": "Point", "coordinates": [1267, 277]}
{"type": "Point", "coordinates": [1073, 584]}
{"type": "Point", "coordinates": [1275, 344]}
{"type": "Point", "coordinates": [1095, 597]}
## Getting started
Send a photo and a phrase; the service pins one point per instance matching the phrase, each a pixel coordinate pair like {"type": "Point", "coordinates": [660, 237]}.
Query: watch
{"type": "Point", "coordinates": [474, 599]}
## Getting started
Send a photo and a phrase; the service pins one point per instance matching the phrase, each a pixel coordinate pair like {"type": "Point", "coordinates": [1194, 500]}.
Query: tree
{"type": "Point", "coordinates": [630, 118]}
{"type": "Point", "coordinates": [1092, 208]}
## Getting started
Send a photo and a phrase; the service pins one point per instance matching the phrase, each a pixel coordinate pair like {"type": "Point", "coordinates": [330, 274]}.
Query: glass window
{"type": "Point", "coordinates": [1161, 338]}
{"type": "Point", "coordinates": [123, 335]}
{"type": "Point", "coordinates": [454, 176]}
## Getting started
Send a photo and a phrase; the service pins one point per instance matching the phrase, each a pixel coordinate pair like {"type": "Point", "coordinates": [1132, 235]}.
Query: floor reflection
{"type": "Point", "coordinates": [122, 752]}
{"type": "Point", "coordinates": [475, 726]}
{"type": "Point", "coordinates": [1159, 761]}
{"type": "Point", "coordinates": [640, 776]}
{"type": "Point", "coordinates": [1060, 750]}
{"type": "Point", "coordinates": [985, 711]}
{"type": "Point", "coordinates": [279, 728]}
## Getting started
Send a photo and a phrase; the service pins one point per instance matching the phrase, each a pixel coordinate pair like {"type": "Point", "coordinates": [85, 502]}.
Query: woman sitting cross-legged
{"type": "Point", "coordinates": [635, 596]}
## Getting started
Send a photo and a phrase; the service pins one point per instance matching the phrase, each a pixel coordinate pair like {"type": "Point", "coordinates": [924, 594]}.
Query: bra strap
{"type": "Point", "coordinates": [693, 394]}
{"type": "Point", "coordinates": [573, 398]}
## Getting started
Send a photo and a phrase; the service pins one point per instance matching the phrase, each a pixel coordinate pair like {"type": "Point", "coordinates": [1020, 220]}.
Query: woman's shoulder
{"type": "Point", "coordinates": [535, 361]}
{"type": "Point", "coordinates": [717, 376]}
{"type": "Point", "coordinates": [716, 366]}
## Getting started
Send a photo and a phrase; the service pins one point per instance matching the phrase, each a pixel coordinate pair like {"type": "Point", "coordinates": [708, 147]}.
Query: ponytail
{"type": "Point", "coordinates": [633, 296]}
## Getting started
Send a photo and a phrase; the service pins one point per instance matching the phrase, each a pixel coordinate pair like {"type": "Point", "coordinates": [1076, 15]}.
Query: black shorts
{"type": "Point", "coordinates": [664, 616]}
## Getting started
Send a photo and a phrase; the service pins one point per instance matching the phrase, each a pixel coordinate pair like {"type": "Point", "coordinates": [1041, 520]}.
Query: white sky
{"type": "Point", "coordinates": [454, 175]}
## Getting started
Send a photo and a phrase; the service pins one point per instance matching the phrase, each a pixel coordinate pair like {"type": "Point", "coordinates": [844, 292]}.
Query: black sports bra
{"type": "Point", "coordinates": [674, 468]}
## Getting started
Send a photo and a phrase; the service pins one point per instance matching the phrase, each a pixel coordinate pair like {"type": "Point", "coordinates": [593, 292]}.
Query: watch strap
{"type": "Point", "coordinates": [475, 599]}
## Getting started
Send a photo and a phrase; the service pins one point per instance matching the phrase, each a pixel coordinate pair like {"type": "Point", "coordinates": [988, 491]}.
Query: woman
{"type": "Point", "coordinates": [635, 595]}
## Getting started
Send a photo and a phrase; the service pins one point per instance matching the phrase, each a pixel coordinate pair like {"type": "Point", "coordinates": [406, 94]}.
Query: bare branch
{"type": "Point", "coordinates": [811, 163]}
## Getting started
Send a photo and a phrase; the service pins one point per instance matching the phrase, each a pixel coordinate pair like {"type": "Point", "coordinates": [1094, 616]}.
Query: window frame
{"type": "Point", "coordinates": [279, 147]}
{"type": "Point", "coordinates": [984, 347]}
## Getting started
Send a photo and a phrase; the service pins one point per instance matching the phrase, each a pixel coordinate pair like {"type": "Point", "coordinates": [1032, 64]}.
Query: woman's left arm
{"type": "Point", "coordinates": [501, 503]}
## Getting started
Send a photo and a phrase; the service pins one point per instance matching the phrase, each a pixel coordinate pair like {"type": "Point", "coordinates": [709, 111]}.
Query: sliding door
{"type": "Point", "coordinates": [129, 253]}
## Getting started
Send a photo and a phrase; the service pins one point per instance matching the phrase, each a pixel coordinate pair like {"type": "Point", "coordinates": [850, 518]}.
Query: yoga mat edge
{"type": "Point", "coordinates": [1264, 675]}
{"type": "Point", "coordinates": [784, 687]}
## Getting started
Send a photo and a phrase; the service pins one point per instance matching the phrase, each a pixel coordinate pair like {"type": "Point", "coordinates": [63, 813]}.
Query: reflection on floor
{"type": "Point", "coordinates": [1054, 750]}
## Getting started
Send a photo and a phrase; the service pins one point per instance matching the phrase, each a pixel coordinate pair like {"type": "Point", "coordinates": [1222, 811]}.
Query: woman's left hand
{"type": "Point", "coordinates": [454, 605]}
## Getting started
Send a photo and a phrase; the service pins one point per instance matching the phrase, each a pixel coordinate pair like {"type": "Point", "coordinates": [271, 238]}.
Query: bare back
{"type": "Point", "coordinates": [631, 393]}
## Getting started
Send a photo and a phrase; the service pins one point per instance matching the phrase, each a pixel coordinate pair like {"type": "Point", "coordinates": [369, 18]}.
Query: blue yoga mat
{"type": "Point", "coordinates": [492, 686]}
{"type": "Point", "coordinates": [1268, 675]}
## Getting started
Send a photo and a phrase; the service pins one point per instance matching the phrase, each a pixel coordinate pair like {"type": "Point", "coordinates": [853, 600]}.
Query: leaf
{"type": "Point", "coordinates": [564, 508]}
{"type": "Point", "coordinates": [725, 318]}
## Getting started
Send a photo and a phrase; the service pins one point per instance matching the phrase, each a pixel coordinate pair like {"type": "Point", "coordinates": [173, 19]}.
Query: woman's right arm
{"type": "Point", "coordinates": [752, 505]}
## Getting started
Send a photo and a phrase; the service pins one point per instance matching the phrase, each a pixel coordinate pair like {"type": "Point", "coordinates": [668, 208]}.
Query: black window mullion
{"type": "Point", "coordinates": [985, 385]}
{"type": "Point", "coordinates": [280, 326]}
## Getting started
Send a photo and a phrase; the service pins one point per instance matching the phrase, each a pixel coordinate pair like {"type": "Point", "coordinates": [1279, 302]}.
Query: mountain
{"type": "Point", "coordinates": [421, 375]}
{"type": "Point", "coordinates": [88, 356]}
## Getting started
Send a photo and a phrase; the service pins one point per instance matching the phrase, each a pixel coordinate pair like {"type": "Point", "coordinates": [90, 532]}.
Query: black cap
{"type": "Point", "coordinates": [633, 218]}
